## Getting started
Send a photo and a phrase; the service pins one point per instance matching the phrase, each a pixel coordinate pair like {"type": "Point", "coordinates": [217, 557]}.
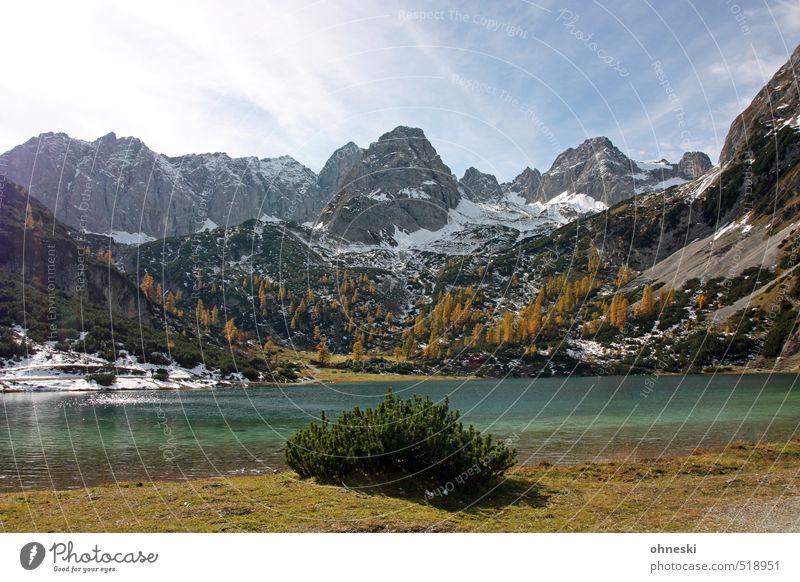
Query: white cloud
{"type": "Point", "coordinates": [749, 70]}
{"type": "Point", "coordinates": [787, 14]}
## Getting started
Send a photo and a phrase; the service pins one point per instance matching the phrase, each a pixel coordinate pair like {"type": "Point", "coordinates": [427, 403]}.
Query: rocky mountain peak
{"type": "Point", "coordinates": [599, 142]}
{"type": "Point", "coordinates": [400, 182]}
{"type": "Point", "coordinates": [600, 170]}
{"type": "Point", "coordinates": [332, 175]}
{"type": "Point", "coordinates": [480, 187]}
{"type": "Point", "coordinates": [694, 164]}
{"type": "Point", "coordinates": [403, 132]}
{"type": "Point", "coordinates": [527, 185]}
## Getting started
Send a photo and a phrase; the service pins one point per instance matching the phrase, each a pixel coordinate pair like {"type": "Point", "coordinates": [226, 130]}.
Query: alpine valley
{"type": "Point", "coordinates": [121, 267]}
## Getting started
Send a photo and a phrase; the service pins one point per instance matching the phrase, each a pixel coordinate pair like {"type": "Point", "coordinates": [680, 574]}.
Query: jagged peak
{"type": "Point", "coordinates": [599, 141]}
{"type": "Point", "coordinates": [348, 146]}
{"type": "Point", "coordinates": [528, 171]}
{"type": "Point", "coordinates": [473, 171]}
{"type": "Point", "coordinates": [403, 132]}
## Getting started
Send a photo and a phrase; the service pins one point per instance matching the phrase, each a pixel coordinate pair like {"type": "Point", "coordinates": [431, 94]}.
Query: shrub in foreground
{"type": "Point", "coordinates": [411, 437]}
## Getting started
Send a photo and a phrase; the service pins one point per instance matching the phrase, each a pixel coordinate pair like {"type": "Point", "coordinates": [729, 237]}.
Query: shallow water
{"type": "Point", "coordinates": [64, 440]}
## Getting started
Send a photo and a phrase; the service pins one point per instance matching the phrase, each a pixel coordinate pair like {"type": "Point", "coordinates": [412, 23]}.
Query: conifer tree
{"type": "Point", "coordinates": [665, 298]}
{"type": "Point", "coordinates": [202, 315]}
{"type": "Point", "coordinates": [358, 349]}
{"type": "Point", "coordinates": [323, 353]}
{"type": "Point", "coordinates": [262, 298]}
{"type": "Point", "coordinates": [28, 217]}
{"type": "Point", "coordinates": [146, 285]}
{"type": "Point", "coordinates": [508, 327]}
{"type": "Point", "coordinates": [648, 301]}
{"type": "Point", "coordinates": [231, 331]}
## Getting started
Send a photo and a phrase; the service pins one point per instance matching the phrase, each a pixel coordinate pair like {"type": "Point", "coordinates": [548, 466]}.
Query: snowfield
{"type": "Point", "coordinates": [47, 370]}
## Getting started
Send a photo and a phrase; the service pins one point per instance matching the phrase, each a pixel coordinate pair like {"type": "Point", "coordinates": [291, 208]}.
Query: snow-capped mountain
{"type": "Point", "coordinates": [120, 186]}
{"type": "Point", "coordinates": [399, 194]}
{"type": "Point", "coordinates": [599, 169]}
{"type": "Point", "coordinates": [595, 168]}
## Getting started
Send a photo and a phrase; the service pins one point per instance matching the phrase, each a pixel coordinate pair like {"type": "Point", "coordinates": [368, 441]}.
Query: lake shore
{"type": "Point", "coordinates": [744, 487]}
{"type": "Point", "coordinates": [326, 376]}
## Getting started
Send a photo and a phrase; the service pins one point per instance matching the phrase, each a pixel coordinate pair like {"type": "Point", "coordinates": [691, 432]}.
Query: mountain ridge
{"type": "Point", "coordinates": [118, 186]}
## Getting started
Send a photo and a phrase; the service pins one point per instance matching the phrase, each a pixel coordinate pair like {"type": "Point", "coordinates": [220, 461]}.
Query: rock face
{"type": "Point", "coordinates": [399, 183]}
{"type": "Point", "coordinates": [527, 185]}
{"type": "Point", "coordinates": [597, 168]}
{"type": "Point", "coordinates": [331, 177]}
{"type": "Point", "coordinates": [480, 187]}
{"type": "Point", "coordinates": [775, 106]}
{"type": "Point", "coordinates": [46, 253]}
{"type": "Point", "coordinates": [120, 185]}
{"type": "Point", "coordinates": [693, 165]}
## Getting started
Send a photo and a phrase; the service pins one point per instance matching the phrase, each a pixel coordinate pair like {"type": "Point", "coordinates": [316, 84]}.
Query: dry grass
{"type": "Point", "coordinates": [743, 488]}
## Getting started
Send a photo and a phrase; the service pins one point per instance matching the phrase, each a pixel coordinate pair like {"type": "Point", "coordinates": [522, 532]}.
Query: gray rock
{"type": "Point", "coordinates": [119, 184]}
{"type": "Point", "coordinates": [480, 187]}
{"type": "Point", "coordinates": [400, 182]}
{"type": "Point", "coordinates": [331, 177]}
{"type": "Point", "coordinates": [693, 165]}
{"type": "Point", "coordinates": [599, 169]}
{"type": "Point", "coordinates": [528, 185]}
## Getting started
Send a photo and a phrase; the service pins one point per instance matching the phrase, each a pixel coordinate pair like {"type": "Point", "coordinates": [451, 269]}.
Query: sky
{"type": "Point", "coordinates": [497, 85]}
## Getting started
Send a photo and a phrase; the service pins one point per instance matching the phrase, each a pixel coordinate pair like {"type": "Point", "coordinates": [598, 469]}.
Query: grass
{"type": "Point", "coordinates": [330, 375]}
{"type": "Point", "coordinates": [742, 488]}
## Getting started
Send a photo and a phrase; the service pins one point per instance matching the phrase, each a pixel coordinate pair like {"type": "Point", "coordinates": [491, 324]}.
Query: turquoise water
{"type": "Point", "coordinates": [65, 440]}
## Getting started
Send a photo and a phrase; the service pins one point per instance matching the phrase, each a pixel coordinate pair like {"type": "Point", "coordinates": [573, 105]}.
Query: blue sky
{"type": "Point", "coordinates": [496, 85]}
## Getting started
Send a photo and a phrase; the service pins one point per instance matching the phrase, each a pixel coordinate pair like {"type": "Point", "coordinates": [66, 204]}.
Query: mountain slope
{"type": "Point", "coordinates": [36, 249]}
{"type": "Point", "coordinates": [750, 205]}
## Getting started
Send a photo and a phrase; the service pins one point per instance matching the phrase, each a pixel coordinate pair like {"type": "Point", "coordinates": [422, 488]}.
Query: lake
{"type": "Point", "coordinates": [68, 440]}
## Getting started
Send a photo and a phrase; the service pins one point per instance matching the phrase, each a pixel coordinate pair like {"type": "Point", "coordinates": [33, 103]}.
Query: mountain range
{"type": "Point", "coordinates": [119, 186]}
{"type": "Point", "coordinates": [599, 265]}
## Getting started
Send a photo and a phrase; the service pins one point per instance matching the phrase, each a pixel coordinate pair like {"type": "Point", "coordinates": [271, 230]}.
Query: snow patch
{"type": "Point", "coordinates": [127, 238]}
{"type": "Point", "coordinates": [653, 165]}
{"type": "Point", "coordinates": [415, 193]}
{"type": "Point", "coordinates": [663, 185]}
{"type": "Point", "coordinates": [208, 225]}
{"type": "Point", "coordinates": [580, 202]}
{"type": "Point", "coordinates": [736, 225]}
